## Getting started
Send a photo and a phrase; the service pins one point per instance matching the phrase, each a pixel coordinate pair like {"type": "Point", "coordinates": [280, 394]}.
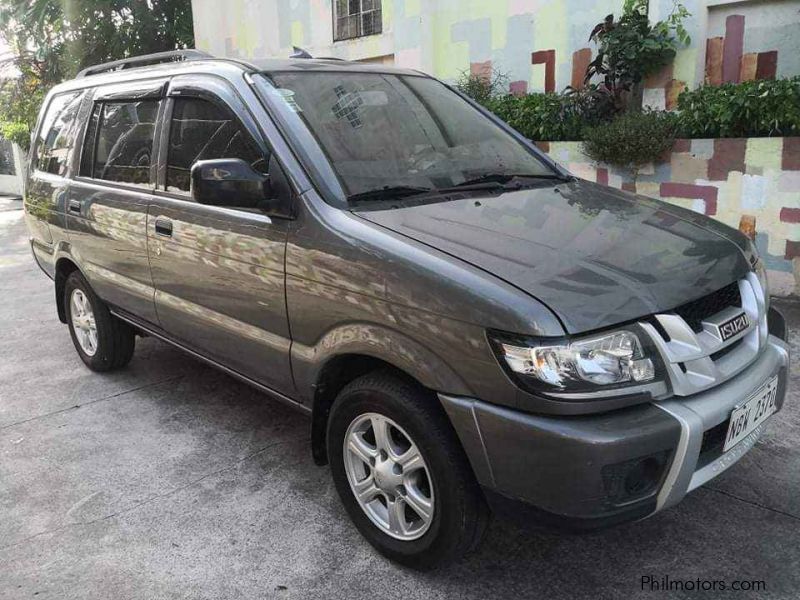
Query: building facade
{"type": "Point", "coordinates": [540, 45]}
{"type": "Point", "coordinates": [543, 45]}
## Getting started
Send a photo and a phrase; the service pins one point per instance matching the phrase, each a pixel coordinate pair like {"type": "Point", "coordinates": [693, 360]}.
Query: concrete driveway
{"type": "Point", "coordinates": [172, 480]}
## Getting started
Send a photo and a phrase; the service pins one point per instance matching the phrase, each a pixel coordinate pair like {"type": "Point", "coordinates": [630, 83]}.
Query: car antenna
{"type": "Point", "coordinates": [299, 53]}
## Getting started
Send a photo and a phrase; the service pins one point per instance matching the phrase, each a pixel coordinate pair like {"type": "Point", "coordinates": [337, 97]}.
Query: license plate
{"type": "Point", "coordinates": [752, 413]}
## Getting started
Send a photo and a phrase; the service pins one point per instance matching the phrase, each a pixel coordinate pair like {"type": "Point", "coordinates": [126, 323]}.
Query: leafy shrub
{"type": "Point", "coordinates": [482, 88]}
{"type": "Point", "coordinates": [16, 132]}
{"type": "Point", "coordinates": [630, 49]}
{"type": "Point", "coordinates": [593, 103]}
{"type": "Point", "coordinates": [632, 140]}
{"type": "Point", "coordinates": [537, 116]}
{"type": "Point", "coordinates": [553, 117]}
{"type": "Point", "coordinates": [748, 109]}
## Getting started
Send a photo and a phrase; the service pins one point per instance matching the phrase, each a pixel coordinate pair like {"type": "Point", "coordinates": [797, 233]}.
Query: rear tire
{"type": "Point", "coordinates": [441, 478]}
{"type": "Point", "coordinates": [103, 341]}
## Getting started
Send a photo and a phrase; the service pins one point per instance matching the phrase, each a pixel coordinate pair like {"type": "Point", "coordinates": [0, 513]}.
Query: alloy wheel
{"type": "Point", "coordinates": [83, 322]}
{"type": "Point", "coordinates": [388, 476]}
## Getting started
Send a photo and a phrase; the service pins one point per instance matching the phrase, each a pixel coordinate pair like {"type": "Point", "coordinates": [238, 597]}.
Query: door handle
{"type": "Point", "coordinates": [164, 227]}
{"type": "Point", "coordinates": [74, 206]}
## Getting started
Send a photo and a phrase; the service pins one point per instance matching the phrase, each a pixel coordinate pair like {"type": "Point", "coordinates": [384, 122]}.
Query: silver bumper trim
{"type": "Point", "coordinates": [707, 409]}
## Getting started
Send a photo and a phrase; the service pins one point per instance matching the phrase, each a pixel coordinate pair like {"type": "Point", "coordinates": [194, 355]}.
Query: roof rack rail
{"type": "Point", "coordinates": [144, 60]}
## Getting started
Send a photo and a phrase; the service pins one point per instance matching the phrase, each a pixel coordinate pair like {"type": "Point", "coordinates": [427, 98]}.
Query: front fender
{"type": "Point", "coordinates": [375, 341]}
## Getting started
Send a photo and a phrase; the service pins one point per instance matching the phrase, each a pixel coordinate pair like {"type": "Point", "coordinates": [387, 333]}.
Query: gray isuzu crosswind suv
{"type": "Point", "coordinates": [467, 324]}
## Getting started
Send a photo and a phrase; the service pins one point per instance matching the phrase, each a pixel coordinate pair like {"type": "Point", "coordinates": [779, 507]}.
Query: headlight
{"type": "Point", "coordinates": [761, 272]}
{"type": "Point", "coordinates": [612, 359]}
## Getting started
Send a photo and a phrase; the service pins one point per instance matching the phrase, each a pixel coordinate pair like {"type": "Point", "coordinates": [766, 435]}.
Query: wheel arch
{"type": "Point", "coordinates": [65, 266]}
{"type": "Point", "coordinates": [357, 349]}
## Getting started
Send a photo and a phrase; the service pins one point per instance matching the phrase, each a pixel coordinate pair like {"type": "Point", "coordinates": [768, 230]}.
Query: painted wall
{"type": "Point", "coordinates": [725, 179]}
{"type": "Point", "coordinates": [542, 45]}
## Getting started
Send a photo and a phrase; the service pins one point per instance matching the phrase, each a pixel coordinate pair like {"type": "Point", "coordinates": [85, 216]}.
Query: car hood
{"type": "Point", "coordinates": [594, 255]}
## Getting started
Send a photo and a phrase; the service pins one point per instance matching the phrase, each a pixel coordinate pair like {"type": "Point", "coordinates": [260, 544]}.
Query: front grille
{"type": "Point", "coordinates": [696, 311]}
{"type": "Point", "coordinates": [697, 359]}
{"type": "Point", "coordinates": [726, 350]}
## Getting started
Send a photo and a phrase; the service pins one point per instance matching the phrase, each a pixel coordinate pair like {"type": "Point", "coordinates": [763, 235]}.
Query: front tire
{"type": "Point", "coordinates": [103, 342]}
{"type": "Point", "coordinates": [401, 473]}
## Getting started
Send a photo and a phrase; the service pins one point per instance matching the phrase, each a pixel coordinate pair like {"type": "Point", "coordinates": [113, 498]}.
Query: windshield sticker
{"type": "Point", "coordinates": [347, 106]}
{"type": "Point", "coordinates": [288, 97]}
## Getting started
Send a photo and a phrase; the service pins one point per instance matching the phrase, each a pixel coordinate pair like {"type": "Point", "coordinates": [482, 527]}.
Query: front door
{"type": "Point", "coordinates": [218, 272]}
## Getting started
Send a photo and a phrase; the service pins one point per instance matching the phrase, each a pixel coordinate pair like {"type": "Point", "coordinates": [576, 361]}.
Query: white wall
{"type": "Point", "coordinates": [11, 184]}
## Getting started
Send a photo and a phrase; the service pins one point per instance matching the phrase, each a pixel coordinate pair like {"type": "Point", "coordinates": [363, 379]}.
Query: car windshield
{"type": "Point", "coordinates": [401, 134]}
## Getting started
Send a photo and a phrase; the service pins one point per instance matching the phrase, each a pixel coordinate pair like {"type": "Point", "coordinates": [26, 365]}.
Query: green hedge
{"type": "Point", "coordinates": [16, 132]}
{"type": "Point", "coordinates": [750, 109]}
{"type": "Point", "coordinates": [539, 116]}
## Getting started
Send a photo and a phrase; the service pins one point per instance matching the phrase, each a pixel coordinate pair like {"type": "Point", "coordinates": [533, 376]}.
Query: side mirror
{"type": "Point", "coordinates": [229, 182]}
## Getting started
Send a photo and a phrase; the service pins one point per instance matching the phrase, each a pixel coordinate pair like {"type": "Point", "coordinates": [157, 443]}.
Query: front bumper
{"type": "Point", "coordinates": [567, 470]}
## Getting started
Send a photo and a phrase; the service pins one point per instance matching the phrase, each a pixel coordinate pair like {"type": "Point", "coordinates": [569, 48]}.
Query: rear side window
{"type": "Point", "coordinates": [202, 130]}
{"type": "Point", "coordinates": [58, 133]}
{"type": "Point", "coordinates": [119, 142]}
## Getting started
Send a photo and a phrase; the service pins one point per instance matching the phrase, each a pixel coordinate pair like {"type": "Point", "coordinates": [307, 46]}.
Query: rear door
{"type": "Point", "coordinates": [51, 165]}
{"type": "Point", "coordinates": [218, 272]}
{"type": "Point", "coordinates": [107, 203]}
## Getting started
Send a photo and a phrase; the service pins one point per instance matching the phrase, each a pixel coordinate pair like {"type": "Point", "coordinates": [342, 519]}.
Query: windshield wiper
{"type": "Point", "coordinates": [487, 181]}
{"type": "Point", "coordinates": [503, 179]}
{"type": "Point", "coordinates": [388, 192]}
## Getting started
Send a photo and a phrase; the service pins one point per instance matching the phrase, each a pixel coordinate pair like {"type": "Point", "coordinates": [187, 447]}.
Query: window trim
{"type": "Point", "coordinates": [361, 11]}
{"type": "Point", "coordinates": [85, 136]}
{"type": "Point", "coordinates": [252, 214]}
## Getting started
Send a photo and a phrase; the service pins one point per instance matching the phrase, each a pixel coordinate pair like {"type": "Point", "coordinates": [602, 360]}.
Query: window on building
{"type": "Point", "coordinates": [356, 18]}
{"type": "Point", "coordinates": [123, 147]}
{"type": "Point", "coordinates": [57, 134]}
{"type": "Point", "coordinates": [201, 130]}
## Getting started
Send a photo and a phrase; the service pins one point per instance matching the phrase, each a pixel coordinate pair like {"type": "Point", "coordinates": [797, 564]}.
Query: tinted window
{"type": "Point", "coordinates": [202, 130]}
{"type": "Point", "coordinates": [58, 132]}
{"type": "Point", "coordinates": [124, 144]}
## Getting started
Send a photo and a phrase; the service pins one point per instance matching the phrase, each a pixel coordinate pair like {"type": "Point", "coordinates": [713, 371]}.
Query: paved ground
{"type": "Point", "coordinates": [171, 480]}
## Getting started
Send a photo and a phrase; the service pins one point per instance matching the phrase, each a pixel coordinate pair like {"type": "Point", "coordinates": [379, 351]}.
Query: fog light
{"type": "Point", "coordinates": [635, 479]}
{"type": "Point", "coordinates": [642, 477]}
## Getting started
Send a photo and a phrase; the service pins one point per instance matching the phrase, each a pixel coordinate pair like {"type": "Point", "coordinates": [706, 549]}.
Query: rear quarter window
{"type": "Point", "coordinates": [58, 133]}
